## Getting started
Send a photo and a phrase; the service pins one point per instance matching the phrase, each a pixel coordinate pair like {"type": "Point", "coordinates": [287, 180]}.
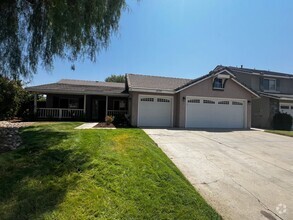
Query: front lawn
{"type": "Point", "coordinates": [62, 173]}
{"type": "Point", "coordinates": [286, 133]}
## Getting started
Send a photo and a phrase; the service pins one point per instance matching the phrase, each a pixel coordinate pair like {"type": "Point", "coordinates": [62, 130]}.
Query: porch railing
{"type": "Point", "coordinates": [59, 113]}
{"type": "Point", "coordinates": [117, 112]}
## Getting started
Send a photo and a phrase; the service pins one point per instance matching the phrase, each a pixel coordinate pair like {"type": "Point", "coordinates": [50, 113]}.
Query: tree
{"type": "Point", "coordinates": [115, 78]}
{"type": "Point", "coordinates": [12, 96]}
{"type": "Point", "coordinates": [35, 32]}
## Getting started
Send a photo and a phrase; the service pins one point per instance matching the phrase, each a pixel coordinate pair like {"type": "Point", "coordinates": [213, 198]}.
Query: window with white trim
{"type": "Point", "coordinates": [208, 102]}
{"type": "Point", "coordinates": [218, 83]}
{"type": "Point", "coordinates": [223, 102]}
{"type": "Point", "coordinates": [193, 101]}
{"type": "Point", "coordinates": [162, 100]}
{"type": "Point", "coordinates": [147, 99]}
{"type": "Point", "coordinates": [269, 84]}
{"type": "Point", "coordinates": [237, 103]}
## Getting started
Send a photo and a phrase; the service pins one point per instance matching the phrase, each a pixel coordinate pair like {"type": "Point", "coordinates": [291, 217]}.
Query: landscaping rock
{"type": "Point", "coordinates": [9, 134]}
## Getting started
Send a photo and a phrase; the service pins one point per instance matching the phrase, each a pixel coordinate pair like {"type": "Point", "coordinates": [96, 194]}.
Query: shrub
{"type": "Point", "coordinates": [119, 119]}
{"type": "Point", "coordinates": [109, 119]}
{"type": "Point", "coordinates": [282, 121]}
{"type": "Point", "coordinates": [12, 95]}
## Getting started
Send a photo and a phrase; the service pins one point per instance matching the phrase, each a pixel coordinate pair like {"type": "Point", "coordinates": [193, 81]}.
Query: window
{"type": "Point", "coordinates": [147, 99]}
{"type": "Point", "coordinates": [223, 102]}
{"type": "Point", "coordinates": [63, 103]}
{"type": "Point", "coordinates": [208, 102]}
{"type": "Point", "coordinates": [218, 83]}
{"type": "Point", "coordinates": [269, 84]}
{"type": "Point", "coordinates": [284, 107]}
{"type": "Point", "coordinates": [73, 103]}
{"type": "Point", "coordinates": [237, 103]}
{"type": "Point", "coordinates": [119, 104]}
{"type": "Point", "coordinates": [193, 101]}
{"type": "Point", "coordinates": [163, 100]}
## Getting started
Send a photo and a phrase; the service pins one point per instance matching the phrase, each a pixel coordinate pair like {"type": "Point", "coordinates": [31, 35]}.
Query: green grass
{"type": "Point", "coordinates": [62, 173]}
{"type": "Point", "coordinates": [286, 133]}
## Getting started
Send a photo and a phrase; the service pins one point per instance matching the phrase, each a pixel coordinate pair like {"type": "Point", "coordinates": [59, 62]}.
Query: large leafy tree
{"type": "Point", "coordinates": [36, 32]}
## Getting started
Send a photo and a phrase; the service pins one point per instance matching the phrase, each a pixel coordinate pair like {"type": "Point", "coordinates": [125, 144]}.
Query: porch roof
{"type": "Point", "coordinates": [279, 96]}
{"type": "Point", "coordinates": [80, 87]}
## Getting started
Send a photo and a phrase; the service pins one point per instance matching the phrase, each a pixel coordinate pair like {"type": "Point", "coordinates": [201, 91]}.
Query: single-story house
{"type": "Point", "coordinates": [215, 100]}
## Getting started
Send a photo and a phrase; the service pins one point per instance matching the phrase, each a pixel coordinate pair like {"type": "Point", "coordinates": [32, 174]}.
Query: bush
{"type": "Point", "coordinates": [282, 121]}
{"type": "Point", "coordinates": [12, 95]}
{"type": "Point", "coordinates": [109, 119]}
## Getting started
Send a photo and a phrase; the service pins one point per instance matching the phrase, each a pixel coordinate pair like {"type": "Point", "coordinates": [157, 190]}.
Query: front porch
{"type": "Point", "coordinates": [81, 107]}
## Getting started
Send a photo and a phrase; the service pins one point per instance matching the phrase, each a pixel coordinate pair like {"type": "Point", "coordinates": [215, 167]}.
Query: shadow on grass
{"type": "Point", "coordinates": [35, 179]}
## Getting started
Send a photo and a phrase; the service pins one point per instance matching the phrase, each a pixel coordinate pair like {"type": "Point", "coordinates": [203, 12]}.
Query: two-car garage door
{"type": "Point", "coordinates": [214, 113]}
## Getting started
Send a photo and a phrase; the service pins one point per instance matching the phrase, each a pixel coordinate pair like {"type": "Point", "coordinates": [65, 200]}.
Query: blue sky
{"type": "Point", "coordinates": [188, 38]}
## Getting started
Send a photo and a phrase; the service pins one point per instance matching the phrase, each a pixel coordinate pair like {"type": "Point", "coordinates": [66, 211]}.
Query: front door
{"type": "Point", "coordinates": [98, 109]}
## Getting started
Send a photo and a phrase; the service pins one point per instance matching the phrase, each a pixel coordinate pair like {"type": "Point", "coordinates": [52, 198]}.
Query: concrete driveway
{"type": "Point", "coordinates": [242, 174]}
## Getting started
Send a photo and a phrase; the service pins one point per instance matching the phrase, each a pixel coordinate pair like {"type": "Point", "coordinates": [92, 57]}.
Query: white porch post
{"type": "Point", "coordinates": [106, 106]}
{"type": "Point", "coordinates": [84, 104]}
{"type": "Point", "coordinates": [35, 103]}
{"type": "Point", "coordinates": [60, 113]}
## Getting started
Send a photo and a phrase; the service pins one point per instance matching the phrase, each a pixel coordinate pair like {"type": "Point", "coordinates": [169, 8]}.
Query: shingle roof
{"type": "Point", "coordinates": [193, 81]}
{"type": "Point", "coordinates": [91, 83]}
{"type": "Point", "coordinates": [253, 71]}
{"type": "Point", "coordinates": [155, 82]}
{"type": "Point", "coordinates": [80, 87]}
{"type": "Point", "coordinates": [278, 95]}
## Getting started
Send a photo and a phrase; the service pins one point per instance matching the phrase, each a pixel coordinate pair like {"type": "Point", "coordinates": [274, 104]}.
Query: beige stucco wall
{"type": "Point", "coordinates": [204, 89]}
{"type": "Point", "coordinates": [252, 81]}
{"type": "Point", "coordinates": [260, 112]}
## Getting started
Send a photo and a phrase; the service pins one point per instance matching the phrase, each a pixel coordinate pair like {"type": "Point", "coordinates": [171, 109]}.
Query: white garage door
{"type": "Point", "coordinates": [214, 113]}
{"type": "Point", "coordinates": [155, 111]}
{"type": "Point", "coordinates": [287, 108]}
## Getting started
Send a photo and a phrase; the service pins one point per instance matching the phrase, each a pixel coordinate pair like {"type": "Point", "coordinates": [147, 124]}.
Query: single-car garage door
{"type": "Point", "coordinates": [214, 113]}
{"type": "Point", "coordinates": [155, 111]}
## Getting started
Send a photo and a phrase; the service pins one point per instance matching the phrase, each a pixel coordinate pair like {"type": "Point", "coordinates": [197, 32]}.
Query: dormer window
{"type": "Point", "coordinates": [219, 83]}
{"type": "Point", "coordinates": [269, 84]}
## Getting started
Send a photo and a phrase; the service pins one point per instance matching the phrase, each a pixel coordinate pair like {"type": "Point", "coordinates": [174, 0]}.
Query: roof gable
{"type": "Point", "coordinates": [222, 71]}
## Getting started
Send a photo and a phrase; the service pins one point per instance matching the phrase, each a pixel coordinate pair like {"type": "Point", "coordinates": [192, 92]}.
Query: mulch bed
{"type": "Point", "coordinates": [104, 125]}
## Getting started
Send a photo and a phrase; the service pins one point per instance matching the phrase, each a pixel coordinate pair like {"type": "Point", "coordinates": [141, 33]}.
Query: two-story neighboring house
{"type": "Point", "coordinates": [274, 88]}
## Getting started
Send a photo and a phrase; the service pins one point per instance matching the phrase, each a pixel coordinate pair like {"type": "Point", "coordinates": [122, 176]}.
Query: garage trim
{"type": "Point", "coordinates": [217, 98]}
{"type": "Point", "coordinates": [156, 96]}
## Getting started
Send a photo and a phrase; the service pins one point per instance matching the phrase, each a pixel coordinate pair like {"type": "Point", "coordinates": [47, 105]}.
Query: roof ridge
{"type": "Point", "coordinates": [258, 70]}
{"type": "Point", "coordinates": [136, 74]}
{"type": "Point", "coordinates": [83, 80]}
